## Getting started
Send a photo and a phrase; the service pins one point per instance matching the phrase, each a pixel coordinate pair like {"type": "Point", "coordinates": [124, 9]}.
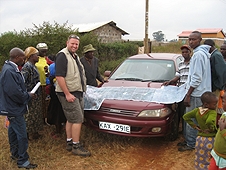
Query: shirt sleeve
{"type": "Point", "coordinates": [61, 65]}
{"type": "Point", "coordinates": [188, 117]}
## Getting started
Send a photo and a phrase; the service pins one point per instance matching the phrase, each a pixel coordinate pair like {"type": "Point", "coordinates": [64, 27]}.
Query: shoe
{"type": "Point", "coordinates": [69, 145]}
{"type": "Point", "coordinates": [36, 135]}
{"type": "Point", "coordinates": [184, 143]}
{"type": "Point", "coordinates": [185, 148]}
{"type": "Point", "coordinates": [29, 166]}
{"type": "Point", "coordinates": [78, 149]}
{"type": "Point", "coordinates": [13, 158]}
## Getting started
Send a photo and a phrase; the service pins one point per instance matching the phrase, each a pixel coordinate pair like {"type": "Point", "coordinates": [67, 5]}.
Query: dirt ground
{"type": "Point", "coordinates": [108, 152]}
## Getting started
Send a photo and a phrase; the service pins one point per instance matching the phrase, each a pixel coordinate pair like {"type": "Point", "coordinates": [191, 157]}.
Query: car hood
{"type": "Point", "coordinates": [130, 105]}
{"type": "Point", "coordinates": [124, 83]}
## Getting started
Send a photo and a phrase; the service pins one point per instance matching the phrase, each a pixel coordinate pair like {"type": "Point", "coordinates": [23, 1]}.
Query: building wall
{"type": "Point", "coordinates": [108, 34]}
{"type": "Point", "coordinates": [213, 35]}
{"type": "Point", "coordinates": [217, 41]}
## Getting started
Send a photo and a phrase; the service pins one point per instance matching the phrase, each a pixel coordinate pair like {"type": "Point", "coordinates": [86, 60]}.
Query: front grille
{"type": "Point", "coordinates": [119, 112]}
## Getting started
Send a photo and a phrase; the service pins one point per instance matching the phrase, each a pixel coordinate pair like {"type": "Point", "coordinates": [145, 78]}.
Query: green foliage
{"type": "Point", "coordinates": [112, 54]}
{"type": "Point", "coordinates": [173, 47]}
{"type": "Point", "coordinates": [158, 36]}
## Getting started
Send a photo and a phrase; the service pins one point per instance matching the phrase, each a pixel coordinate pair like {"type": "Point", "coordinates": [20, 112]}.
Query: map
{"type": "Point", "coordinates": [94, 96]}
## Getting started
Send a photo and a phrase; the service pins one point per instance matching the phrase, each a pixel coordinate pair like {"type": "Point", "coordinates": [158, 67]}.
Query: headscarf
{"type": "Point", "coordinates": [30, 51]}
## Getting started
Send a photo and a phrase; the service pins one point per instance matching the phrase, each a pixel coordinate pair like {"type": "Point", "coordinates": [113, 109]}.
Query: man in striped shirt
{"type": "Point", "coordinates": [179, 79]}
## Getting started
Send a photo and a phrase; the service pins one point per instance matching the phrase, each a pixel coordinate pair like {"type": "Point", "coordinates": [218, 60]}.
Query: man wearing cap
{"type": "Point", "coordinates": [42, 67]}
{"type": "Point", "coordinates": [90, 64]}
{"type": "Point", "coordinates": [70, 86]}
{"type": "Point", "coordinates": [179, 79]}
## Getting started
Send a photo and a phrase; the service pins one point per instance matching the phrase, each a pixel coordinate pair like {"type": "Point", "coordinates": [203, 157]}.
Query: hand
{"type": "Point", "coordinates": [198, 128]}
{"type": "Point", "coordinates": [70, 98]}
{"type": "Point", "coordinates": [207, 131]}
{"type": "Point", "coordinates": [222, 123]}
{"type": "Point", "coordinates": [187, 101]}
{"type": "Point", "coordinates": [166, 83]}
{"type": "Point", "coordinates": [105, 80]}
{"type": "Point", "coordinates": [46, 68]}
{"type": "Point", "coordinates": [33, 95]}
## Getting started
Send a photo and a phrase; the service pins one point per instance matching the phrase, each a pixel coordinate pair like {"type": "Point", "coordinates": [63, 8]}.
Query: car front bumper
{"type": "Point", "coordinates": [139, 127]}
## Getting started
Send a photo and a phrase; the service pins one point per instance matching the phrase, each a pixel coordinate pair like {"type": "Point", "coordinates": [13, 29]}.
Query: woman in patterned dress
{"type": "Point", "coordinates": [34, 117]}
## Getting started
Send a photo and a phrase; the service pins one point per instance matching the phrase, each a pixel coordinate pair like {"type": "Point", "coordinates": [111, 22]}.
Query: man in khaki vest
{"type": "Point", "coordinates": [70, 85]}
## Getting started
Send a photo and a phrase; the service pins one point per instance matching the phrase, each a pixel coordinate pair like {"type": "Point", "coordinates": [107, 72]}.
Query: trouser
{"type": "Point", "coordinates": [181, 110]}
{"type": "Point", "coordinates": [18, 141]}
{"type": "Point", "coordinates": [191, 133]}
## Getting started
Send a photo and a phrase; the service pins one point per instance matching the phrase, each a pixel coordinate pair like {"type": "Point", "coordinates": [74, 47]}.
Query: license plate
{"type": "Point", "coordinates": [114, 127]}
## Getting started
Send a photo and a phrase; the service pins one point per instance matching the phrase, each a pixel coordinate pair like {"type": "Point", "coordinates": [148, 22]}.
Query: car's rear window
{"type": "Point", "coordinates": [145, 70]}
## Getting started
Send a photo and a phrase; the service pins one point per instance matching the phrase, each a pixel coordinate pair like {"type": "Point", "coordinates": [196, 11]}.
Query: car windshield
{"type": "Point", "coordinates": [145, 70]}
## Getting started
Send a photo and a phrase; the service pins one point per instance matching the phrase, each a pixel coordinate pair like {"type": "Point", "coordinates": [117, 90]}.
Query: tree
{"type": "Point", "coordinates": [158, 36]}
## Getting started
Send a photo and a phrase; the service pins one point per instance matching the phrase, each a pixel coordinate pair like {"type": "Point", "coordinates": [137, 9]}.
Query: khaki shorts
{"type": "Point", "coordinates": [74, 112]}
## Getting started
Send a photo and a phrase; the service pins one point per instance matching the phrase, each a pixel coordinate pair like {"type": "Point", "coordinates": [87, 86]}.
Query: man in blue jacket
{"type": "Point", "coordinates": [14, 99]}
{"type": "Point", "coordinates": [198, 82]}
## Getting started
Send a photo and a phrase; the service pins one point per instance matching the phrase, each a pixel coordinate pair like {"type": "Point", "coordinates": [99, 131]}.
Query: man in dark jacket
{"type": "Point", "coordinates": [223, 50]}
{"type": "Point", "coordinates": [90, 64]}
{"type": "Point", "coordinates": [218, 68]}
{"type": "Point", "coordinates": [14, 99]}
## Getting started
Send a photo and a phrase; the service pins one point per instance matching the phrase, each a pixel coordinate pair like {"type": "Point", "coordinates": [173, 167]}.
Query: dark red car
{"type": "Point", "coordinates": [138, 118]}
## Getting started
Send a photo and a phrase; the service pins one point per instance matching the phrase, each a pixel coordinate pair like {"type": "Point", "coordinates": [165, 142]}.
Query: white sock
{"type": "Point", "coordinates": [69, 139]}
{"type": "Point", "coordinates": [75, 142]}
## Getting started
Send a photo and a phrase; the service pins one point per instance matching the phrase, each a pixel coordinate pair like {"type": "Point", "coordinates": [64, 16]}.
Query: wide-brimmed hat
{"type": "Point", "coordinates": [42, 46]}
{"type": "Point", "coordinates": [88, 48]}
{"type": "Point", "coordinates": [186, 46]}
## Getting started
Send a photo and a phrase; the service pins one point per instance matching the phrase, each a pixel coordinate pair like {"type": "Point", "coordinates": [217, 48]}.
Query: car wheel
{"type": "Point", "coordinates": [173, 135]}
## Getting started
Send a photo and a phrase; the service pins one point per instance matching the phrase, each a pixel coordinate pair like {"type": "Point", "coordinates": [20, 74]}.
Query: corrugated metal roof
{"type": "Point", "coordinates": [202, 30]}
{"type": "Point", "coordinates": [92, 26]}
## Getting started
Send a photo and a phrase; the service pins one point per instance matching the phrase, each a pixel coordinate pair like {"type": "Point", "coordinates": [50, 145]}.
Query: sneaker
{"type": "Point", "coordinates": [184, 143]}
{"type": "Point", "coordinates": [185, 148]}
{"type": "Point", "coordinates": [29, 166]}
{"type": "Point", "coordinates": [48, 98]}
{"type": "Point", "coordinates": [69, 145]}
{"type": "Point", "coordinates": [78, 149]}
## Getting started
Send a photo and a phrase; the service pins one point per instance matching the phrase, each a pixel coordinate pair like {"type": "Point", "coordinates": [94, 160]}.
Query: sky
{"type": "Point", "coordinates": [169, 16]}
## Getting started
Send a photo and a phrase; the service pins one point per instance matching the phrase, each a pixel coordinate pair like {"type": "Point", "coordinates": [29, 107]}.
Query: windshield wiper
{"type": "Point", "coordinates": [130, 79]}
{"type": "Point", "coordinates": [161, 80]}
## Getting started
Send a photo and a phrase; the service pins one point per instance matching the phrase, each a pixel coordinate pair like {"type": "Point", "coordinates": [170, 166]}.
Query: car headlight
{"type": "Point", "coordinates": [155, 113]}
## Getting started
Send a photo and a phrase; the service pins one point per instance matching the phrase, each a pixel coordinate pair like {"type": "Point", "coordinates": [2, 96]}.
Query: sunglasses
{"type": "Point", "coordinates": [73, 36]}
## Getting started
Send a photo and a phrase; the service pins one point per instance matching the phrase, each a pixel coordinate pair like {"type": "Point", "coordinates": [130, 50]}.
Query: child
{"type": "Point", "coordinates": [206, 119]}
{"type": "Point", "coordinates": [218, 160]}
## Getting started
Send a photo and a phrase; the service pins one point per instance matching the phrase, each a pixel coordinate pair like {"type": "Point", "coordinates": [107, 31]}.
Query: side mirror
{"type": "Point", "coordinates": [107, 73]}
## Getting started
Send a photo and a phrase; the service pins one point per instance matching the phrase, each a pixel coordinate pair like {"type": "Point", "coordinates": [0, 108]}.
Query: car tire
{"type": "Point", "coordinates": [173, 135]}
